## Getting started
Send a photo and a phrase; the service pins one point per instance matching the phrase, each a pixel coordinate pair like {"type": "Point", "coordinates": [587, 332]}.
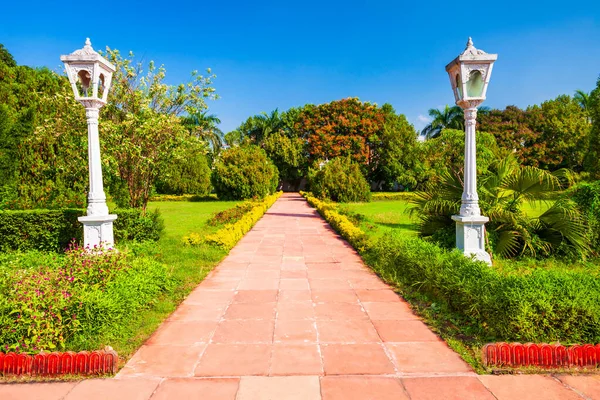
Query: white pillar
{"type": "Point", "coordinates": [98, 224]}
{"type": "Point", "coordinates": [470, 224]}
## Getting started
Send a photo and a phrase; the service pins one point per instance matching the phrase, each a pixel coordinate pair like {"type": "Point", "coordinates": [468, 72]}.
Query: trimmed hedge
{"type": "Point", "coordinates": [385, 196]}
{"type": "Point", "coordinates": [354, 235]}
{"type": "Point", "coordinates": [228, 236]}
{"type": "Point", "coordinates": [53, 230]}
{"type": "Point", "coordinates": [543, 305]}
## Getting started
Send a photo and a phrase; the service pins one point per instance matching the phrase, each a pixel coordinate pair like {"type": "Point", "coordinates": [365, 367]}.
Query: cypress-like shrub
{"type": "Point", "coordinates": [339, 180]}
{"type": "Point", "coordinates": [244, 172]}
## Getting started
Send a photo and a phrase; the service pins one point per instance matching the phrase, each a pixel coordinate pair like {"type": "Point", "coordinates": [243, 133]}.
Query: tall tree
{"type": "Point", "coordinates": [448, 118]}
{"type": "Point", "coordinates": [142, 125]}
{"type": "Point", "coordinates": [205, 127]}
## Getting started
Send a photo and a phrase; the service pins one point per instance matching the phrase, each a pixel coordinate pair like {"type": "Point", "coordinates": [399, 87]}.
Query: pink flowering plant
{"type": "Point", "coordinates": [55, 302]}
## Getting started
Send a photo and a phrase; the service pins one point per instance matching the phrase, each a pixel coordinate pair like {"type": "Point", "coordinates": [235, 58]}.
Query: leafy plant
{"type": "Point", "coordinates": [244, 172]}
{"type": "Point", "coordinates": [341, 180]}
{"type": "Point", "coordinates": [503, 189]}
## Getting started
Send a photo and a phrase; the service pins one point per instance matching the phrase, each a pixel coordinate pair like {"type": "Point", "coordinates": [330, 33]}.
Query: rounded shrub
{"type": "Point", "coordinates": [188, 173]}
{"type": "Point", "coordinates": [339, 180]}
{"type": "Point", "coordinates": [244, 172]}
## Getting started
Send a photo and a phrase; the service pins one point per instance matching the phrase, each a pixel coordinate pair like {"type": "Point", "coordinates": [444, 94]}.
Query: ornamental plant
{"type": "Point", "coordinates": [244, 172]}
{"type": "Point", "coordinates": [341, 180]}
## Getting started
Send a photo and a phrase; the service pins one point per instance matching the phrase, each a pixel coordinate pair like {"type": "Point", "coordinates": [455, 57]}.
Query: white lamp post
{"type": "Point", "coordinates": [469, 75]}
{"type": "Point", "coordinates": [90, 75]}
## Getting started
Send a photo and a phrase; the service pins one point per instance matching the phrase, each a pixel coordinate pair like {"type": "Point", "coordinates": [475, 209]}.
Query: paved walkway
{"type": "Point", "coordinates": [292, 313]}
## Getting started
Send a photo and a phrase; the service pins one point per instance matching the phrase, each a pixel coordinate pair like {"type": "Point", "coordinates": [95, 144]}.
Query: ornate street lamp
{"type": "Point", "coordinates": [90, 75]}
{"type": "Point", "coordinates": [469, 75]}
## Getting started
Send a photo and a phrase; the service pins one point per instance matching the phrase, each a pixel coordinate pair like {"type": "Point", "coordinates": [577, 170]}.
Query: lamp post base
{"type": "Point", "coordinates": [98, 231]}
{"type": "Point", "coordinates": [470, 236]}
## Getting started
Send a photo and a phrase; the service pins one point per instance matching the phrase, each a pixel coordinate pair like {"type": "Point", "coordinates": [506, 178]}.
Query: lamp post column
{"type": "Point", "coordinates": [470, 224]}
{"type": "Point", "coordinates": [97, 224]}
{"type": "Point", "coordinates": [96, 197]}
{"type": "Point", "coordinates": [470, 199]}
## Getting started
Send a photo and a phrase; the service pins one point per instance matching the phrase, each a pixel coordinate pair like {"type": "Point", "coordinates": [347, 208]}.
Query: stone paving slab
{"type": "Point", "coordinates": [293, 313]}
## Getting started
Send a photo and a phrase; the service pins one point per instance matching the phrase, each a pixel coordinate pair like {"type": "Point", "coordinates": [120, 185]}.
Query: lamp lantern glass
{"type": "Point", "coordinates": [470, 74]}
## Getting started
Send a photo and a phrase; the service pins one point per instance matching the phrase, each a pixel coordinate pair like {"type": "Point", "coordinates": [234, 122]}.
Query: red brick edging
{"type": "Point", "coordinates": [541, 355]}
{"type": "Point", "coordinates": [53, 364]}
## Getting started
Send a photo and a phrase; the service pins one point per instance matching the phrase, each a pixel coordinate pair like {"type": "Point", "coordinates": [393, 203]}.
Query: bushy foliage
{"type": "Point", "coordinates": [230, 215]}
{"type": "Point", "coordinates": [587, 198]}
{"type": "Point", "coordinates": [341, 180]}
{"type": "Point", "coordinates": [540, 306]}
{"type": "Point", "coordinates": [244, 172]}
{"type": "Point", "coordinates": [503, 188]}
{"type": "Point", "coordinates": [354, 235]}
{"type": "Point", "coordinates": [60, 302]}
{"type": "Point", "coordinates": [188, 173]}
{"type": "Point", "coordinates": [228, 236]}
{"type": "Point", "coordinates": [53, 230]}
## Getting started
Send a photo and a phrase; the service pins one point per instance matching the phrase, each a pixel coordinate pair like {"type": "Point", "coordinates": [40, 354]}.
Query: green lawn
{"type": "Point", "coordinates": [381, 217]}
{"type": "Point", "coordinates": [188, 265]}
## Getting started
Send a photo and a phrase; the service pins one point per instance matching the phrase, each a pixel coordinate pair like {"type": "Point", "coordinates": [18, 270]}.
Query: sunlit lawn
{"type": "Point", "coordinates": [394, 215]}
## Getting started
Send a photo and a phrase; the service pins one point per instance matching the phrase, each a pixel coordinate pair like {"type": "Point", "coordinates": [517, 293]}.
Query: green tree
{"type": "Point", "coordinates": [396, 158]}
{"type": "Point", "coordinates": [143, 125]}
{"type": "Point", "coordinates": [205, 127]}
{"type": "Point", "coordinates": [288, 154]}
{"type": "Point", "coordinates": [340, 179]}
{"type": "Point", "coordinates": [445, 154]}
{"type": "Point", "coordinates": [448, 118]}
{"type": "Point", "coordinates": [563, 132]}
{"type": "Point", "coordinates": [244, 172]}
{"type": "Point", "coordinates": [188, 172]}
{"type": "Point", "coordinates": [592, 158]}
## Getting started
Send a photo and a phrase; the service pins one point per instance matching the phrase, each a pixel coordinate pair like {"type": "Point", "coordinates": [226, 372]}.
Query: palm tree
{"type": "Point", "coordinates": [204, 126]}
{"type": "Point", "coordinates": [503, 190]}
{"type": "Point", "coordinates": [583, 99]}
{"type": "Point", "coordinates": [448, 118]}
{"type": "Point", "coordinates": [266, 124]}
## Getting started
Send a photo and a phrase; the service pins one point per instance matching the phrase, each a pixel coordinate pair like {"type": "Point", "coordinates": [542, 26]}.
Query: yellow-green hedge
{"type": "Point", "coordinates": [230, 234]}
{"type": "Point", "coordinates": [354, 235]}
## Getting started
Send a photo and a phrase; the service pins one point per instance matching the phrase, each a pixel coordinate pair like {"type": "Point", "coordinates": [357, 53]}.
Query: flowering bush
{"type": "Point", "coordinates": [51, 302]}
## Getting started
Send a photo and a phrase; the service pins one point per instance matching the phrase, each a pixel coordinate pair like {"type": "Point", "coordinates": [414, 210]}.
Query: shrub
{"type": "Point", "coordinates": [354, 235]}
{"type": "Point", "coordinates": [53, 230]}
{"type": "Point", "coordinates": [541, 306]}
{"type": "Point", "coordinates": [339, 180]}
{"type": "Point", "coordinates": [187, 174]}
{"type": "Point", "coordinates": [62, 302]}
{"type": "Point", "coordinates": [587, 197]}
{"type": "Point", "coordinates": [230, 215]}
{"type": "Point", "coordinates": [228, 236]}
{"type": "Point", "coordinates": [244, 172]}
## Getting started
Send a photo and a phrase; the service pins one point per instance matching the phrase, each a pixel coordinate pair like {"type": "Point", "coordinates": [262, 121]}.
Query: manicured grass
{"type": "Point", "coordinates": [385, 216]}
{"type": "Point", "coordinates": [381, 217]}
{"type": "Point", "coordinates": [188, 265]}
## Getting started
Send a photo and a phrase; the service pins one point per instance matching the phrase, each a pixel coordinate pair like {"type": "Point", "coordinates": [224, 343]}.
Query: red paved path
{"type": "Point", "coordinates": [292, 313]}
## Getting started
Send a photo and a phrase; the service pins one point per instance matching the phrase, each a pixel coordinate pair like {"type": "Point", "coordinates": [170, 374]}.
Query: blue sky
{"type": "Point", "coordinates": [269, 55]}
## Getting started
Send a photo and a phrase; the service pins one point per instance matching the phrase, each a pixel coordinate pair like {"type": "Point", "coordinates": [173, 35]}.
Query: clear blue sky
{"type": "Point", "coordinates": [281, 54]}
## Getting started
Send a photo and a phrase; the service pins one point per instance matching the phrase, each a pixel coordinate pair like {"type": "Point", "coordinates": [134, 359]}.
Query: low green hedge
{"type": "Point", "coordinates": [230, 234]}
{"type": "Point", "coordinates": [385, 196]}
{"type": "Point", "coordinates": [543, 305]}
{"type": "Point", "coordinates": [53, 230]}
